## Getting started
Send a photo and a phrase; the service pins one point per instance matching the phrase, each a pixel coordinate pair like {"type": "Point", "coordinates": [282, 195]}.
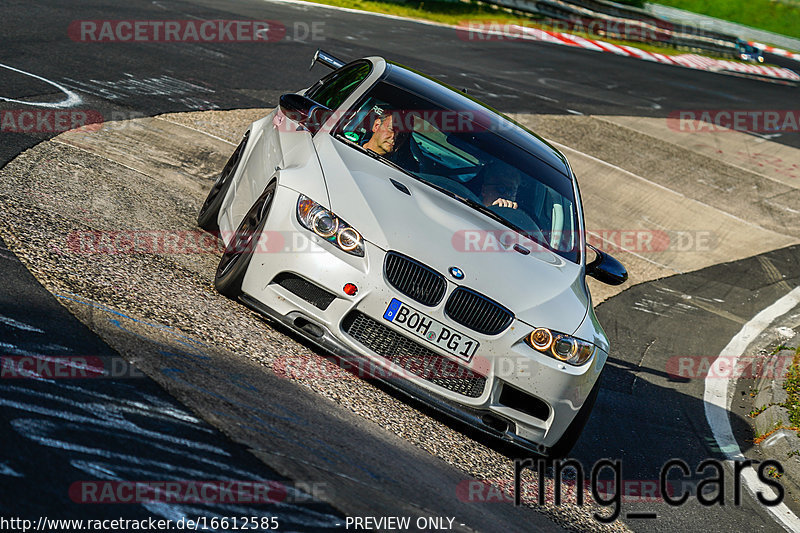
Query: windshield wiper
{"type": "Point", "coordinates": [488, 212]}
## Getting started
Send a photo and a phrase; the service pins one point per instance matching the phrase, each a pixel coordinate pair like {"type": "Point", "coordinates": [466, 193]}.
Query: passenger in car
{"type": "Point", "coordinates": [500, 185]}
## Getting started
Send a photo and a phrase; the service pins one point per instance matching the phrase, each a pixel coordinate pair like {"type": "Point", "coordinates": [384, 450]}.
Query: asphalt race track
{"type": "Point", "coordinates": [198, 394]}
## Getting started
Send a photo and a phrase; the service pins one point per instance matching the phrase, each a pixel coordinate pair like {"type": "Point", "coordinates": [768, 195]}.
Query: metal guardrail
{"type": "Point", "coordinates": [746, 33]}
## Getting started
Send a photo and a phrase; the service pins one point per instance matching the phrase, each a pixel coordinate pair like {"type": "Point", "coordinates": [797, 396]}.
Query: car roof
{"type": "Point", "coordinates": [450, 98]}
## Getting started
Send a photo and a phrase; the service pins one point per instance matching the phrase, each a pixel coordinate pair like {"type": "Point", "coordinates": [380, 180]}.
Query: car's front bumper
{"type": "Point", "coordinates": [504, 360]}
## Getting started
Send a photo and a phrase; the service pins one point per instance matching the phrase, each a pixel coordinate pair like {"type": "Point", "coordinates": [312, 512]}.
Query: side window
{"type": "Point", "coordinates": [334, 89]}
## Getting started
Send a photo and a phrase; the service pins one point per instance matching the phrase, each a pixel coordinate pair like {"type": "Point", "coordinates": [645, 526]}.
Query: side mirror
{"type": "Point", "coordinates": [304, 111]}
{"type": "Point", "coordinates": [606, 269]}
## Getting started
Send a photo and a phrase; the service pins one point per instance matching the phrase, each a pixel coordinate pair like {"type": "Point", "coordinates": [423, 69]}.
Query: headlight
{"type": "Point", "coordinates": [563, 347]}
{"type": "Point", "coordinates": [333, 229]}
{"type": "Point", "coordinates": [541, 339]}
{"type": "Point", "coordinates": [324, 223]}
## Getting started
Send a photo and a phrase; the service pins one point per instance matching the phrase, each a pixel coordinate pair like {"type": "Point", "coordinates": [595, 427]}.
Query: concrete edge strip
{"type": "Point", "coordinates": [56, 140]}
{"type": "Point", "coordinates": [161, 117]}
{"type": "Point", "coordinates": [667, 189]}
{"type": "Point", "coordinates": [718, 394]}
{"type": "Point", "coordinates": [609, 120]}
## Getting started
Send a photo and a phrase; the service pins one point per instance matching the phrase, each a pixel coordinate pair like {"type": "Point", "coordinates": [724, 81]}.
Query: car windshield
{"type": "Point", "coordinates": [466, 156]}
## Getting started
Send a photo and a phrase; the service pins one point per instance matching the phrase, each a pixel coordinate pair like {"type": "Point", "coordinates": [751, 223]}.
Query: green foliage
{"type": "Point", "coordinates": [781, 347]}
{"type": "Point", "coordinates": [792, 386]}
{"type": "Point", "coordinates": [445, 11]}
{"type": "Point", "coordinates": [776, 16]}
{"type": "Point", "coordinates": [773, 473]}
{"type": "Point", "coordinates": [634, 3]}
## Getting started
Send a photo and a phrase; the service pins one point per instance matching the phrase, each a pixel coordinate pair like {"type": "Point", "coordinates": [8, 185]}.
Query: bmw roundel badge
{"type": "Point", "coordinates": [456, 272]}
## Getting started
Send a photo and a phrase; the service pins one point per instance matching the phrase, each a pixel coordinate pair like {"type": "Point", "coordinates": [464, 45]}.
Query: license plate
{"type": "Point", "coordinates": [433, 331]}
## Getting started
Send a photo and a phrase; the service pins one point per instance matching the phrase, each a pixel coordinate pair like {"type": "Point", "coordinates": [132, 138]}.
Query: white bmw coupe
{"type": "Point", "coordinates": [410, 230]}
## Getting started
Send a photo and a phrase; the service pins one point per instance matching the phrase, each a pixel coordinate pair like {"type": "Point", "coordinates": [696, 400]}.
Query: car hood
{"type": "Point", "coordinates": [542, 288]}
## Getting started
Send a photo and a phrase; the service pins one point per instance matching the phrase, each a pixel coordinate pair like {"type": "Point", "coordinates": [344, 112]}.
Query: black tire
{"type": "Point", "coordinates": [237, 255]}
{"type": "Point", "coordinates": [207, 217]}
{"type": "Point", "coordinates": [563, 446]}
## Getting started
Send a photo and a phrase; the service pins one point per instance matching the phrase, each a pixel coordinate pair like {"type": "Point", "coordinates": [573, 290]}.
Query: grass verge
{"type": "Point", "coordinates": [453, 12]}
{"type": "Point", "coordinates": [792, 386]}
{"type": "Point", "coordinates": [779, 16]}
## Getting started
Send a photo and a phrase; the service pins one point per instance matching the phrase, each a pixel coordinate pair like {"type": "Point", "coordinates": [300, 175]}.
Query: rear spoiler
{"type": "Point", "coordinates": [321, 56]}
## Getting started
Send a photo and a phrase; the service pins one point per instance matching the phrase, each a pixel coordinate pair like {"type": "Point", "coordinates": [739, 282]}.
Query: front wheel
{"type": "Point", "coordinates": [243, 244]}
{"type": "Point", "coordinates": [209, 212]}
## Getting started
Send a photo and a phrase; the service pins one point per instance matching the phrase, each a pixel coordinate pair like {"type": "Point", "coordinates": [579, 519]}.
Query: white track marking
{"type": "Point", "coordinates": [97, 154]}
{"type": "Point", "coordinates": [6, 470]}
{"type": "Point", "coordinates": [197, 130]}
{"type": "Point", "coordinates": [18, 325]}
{"type": "Point", "coordinates": [718, 395]}
{"type": "Point", "coordinates": [71, 100]}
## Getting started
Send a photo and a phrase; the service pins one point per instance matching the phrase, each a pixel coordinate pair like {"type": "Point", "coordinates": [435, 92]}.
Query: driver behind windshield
{"type": "Point", "coordinates": [383, 133]}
